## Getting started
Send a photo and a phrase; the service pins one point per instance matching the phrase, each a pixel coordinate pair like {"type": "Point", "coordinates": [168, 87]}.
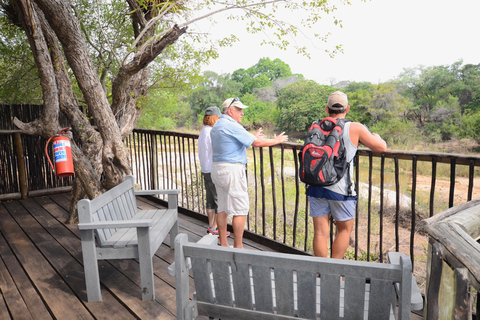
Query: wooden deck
{"type": "Point", "coordinates": [41, 271]}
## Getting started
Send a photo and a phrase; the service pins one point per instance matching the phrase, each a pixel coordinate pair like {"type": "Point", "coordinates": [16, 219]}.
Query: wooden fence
{"type": "Point", "coordinates": [279, 209]}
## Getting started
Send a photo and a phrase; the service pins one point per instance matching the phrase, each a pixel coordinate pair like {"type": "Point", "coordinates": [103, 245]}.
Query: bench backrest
{"type": "Point", "coordinates": [245, 284]}
{"type": "Point", "coordinates": [118, 203]}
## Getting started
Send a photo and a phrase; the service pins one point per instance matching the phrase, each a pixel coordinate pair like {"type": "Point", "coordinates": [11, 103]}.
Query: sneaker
{"type": "Point", "coordinates": [215, 231]}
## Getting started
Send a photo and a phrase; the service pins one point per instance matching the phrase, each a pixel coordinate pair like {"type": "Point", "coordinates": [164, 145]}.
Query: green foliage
{"type": "Point", "coordinates": [471, 126]}
{"type": "Point", "coordinates": [213, 90]}
{"type": "Point", "coordinates": [426, 87]}
{"type": "Point", "coordinates": [467, 89]}
{"type": "Point", "coordinates": [262, 74]}
{"type": "Point", "coordinates": [350, 255]}
{"type": "Point", "coordinates": [354, 87]}
{"type": "Point", "coordinates": [19, 82]}
{"type": "Point", "coordinates": [395, 131]}
{"type": "Point", "coordinates": [300, 104]}
{"type": "Point", "coordinates": [160, 111]}
{"type": "Point", "coordinates": [258, 112]}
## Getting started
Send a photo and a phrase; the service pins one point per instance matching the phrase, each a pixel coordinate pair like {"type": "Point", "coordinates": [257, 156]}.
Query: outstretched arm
{"type": "Point", "coordinates": [261, 141]}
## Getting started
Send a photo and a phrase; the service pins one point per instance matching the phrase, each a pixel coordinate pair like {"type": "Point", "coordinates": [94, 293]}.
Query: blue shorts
{"type": "Point", "coordinates": [323, 201]}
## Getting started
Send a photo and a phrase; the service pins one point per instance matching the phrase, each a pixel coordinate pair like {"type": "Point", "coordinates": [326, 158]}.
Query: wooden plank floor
{"type": "Point", "coordinates": [41, 271]}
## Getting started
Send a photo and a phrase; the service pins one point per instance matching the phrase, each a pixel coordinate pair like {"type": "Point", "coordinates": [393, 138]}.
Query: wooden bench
{"type": "Point", "coordinates": [245, 284]}
{"type": "Point", "coordinates": [124, 232]}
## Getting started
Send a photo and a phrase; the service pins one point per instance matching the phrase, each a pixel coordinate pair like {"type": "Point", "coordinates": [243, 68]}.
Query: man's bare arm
{"type": "Point", "coordinates": [261, 141]}
{"type": "Point", "coordinates": [373, 141]}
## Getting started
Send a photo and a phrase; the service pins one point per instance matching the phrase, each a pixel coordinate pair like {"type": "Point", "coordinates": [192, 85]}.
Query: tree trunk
{"type": "Point", "coordinates": [100, 157]}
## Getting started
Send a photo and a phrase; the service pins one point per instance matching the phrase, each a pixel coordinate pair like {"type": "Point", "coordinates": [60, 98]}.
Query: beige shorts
{"type": "Point", "coordinates": [230, 180]}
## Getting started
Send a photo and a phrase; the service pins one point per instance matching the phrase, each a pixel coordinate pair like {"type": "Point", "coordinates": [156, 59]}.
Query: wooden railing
{"type": "Point", "coordinates": [388, 184]}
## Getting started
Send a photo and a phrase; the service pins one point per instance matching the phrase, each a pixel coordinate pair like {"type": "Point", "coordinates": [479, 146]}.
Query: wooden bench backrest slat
{"type": "Point", "coordinates": [284, 290]}
{"type": "Point", "coordinates": [354, 299]}
{"type": "Point", "coordinates": [111, 194]}
{"type": "Point", "coordinates": [381, 295]}
{"type": "Point", "coordinates": [306, 285]}
{"type": "Point", "coordinates": [330, 296]}
{"type": "Point", "coordinates": [223, 292]}
{"type": "Point", "coordinates": [241, 286]}
{"type": "Point", "coordinates": [201, 273]}
{"type": "Point", "coordinates": [262, 280]}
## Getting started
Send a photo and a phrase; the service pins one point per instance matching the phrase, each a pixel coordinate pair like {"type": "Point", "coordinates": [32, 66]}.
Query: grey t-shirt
{"type": "Point", "coordinates": [341, 186]}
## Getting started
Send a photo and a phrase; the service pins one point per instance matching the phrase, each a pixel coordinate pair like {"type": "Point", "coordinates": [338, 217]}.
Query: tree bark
{"type": "Point", "coordinates": [100, 157]}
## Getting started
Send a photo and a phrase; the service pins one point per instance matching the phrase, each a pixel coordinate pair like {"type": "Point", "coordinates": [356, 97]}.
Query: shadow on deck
{"type": "Point", "coordinates": [41, 271]}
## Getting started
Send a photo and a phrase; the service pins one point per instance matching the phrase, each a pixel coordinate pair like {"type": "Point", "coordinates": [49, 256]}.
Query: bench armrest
{"type": "Point", "coordinates": [115, 224]}
{"type": "Point", "coordinates": [150, 192]}
{"type": "Point", "coordinates": [417, 299]}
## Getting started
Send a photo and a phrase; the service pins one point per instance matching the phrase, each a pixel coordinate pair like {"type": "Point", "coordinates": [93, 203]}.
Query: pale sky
{"type": "Point", "coordinates": [380, 38]}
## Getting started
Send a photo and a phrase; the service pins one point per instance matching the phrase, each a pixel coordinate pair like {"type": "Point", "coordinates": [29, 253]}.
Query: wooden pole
{"type": "Point", "coordinates": [22, 170]}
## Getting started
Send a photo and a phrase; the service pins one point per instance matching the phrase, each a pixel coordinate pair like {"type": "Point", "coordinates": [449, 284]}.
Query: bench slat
{"type": "Point", "coordinates": [201, 273]}
{"type": "Point", "coordinates": [128, 237]}
{"type": "Point", "coordinates": [103, 234]}
{"type": "Point", "coordinates": [110, 195]}
{"type": "Point", "coordinates": [354, 297]}
{"type": "Point", "coordinates": [306, 287]}
{"type": "Point", "coordinates": [329, 296]}
{"type": "Point", "coordinates": [262, 285]}
{"type": "Point", "coordinates": [162, 226]}
{"type": "Point", "coordinates": [241, 286]}
{"type": "Point", "coordinates": [162, 220]}
{"type": "Point", "coordinates": [284, 291]}
{"type": "Point", "coordinates": [382, 293]}
{"type": "Point", "coordinates": [221, 282]}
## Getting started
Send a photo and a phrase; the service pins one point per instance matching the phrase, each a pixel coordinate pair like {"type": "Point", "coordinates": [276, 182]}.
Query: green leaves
{"type": "Point", "coordinates": [301, 103]}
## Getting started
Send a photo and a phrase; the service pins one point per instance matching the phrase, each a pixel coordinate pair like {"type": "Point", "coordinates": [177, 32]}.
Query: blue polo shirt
{"type": "Point", "coordinates": [230, 141]}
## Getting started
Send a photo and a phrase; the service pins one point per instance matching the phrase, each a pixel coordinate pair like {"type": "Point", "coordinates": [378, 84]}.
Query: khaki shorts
{"type": "Point", "coordinates": [231, 183]}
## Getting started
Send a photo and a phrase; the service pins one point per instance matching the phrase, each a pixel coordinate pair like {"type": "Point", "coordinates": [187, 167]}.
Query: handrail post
{"type": "Point", "coordinates": [22, 170]}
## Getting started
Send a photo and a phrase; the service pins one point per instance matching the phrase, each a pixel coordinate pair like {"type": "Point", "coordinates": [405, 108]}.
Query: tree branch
{"type": "Point", "coordinates": [48, 122]}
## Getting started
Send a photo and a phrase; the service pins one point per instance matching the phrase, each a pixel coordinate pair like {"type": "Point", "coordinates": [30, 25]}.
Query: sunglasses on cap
{"type": "Point", "coordinates": [233, 101]}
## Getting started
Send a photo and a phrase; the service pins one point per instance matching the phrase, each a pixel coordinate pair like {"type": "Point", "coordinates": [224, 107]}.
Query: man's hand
{"type": "Point", "coordinates": [282, 137]}
{"type": "Point", "coordinates": [261, 141]}
{"type": "Point", "coordinates": [259, 133]}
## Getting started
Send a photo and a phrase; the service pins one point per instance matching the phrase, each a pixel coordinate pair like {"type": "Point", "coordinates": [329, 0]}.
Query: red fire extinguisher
{"type": "Point", "coordinates": [63, 154]}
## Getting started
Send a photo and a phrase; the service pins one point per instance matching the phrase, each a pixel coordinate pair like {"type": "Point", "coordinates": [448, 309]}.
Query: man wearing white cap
{"type": "Point", "coordinates": [337, 199]}
{"type": "Point", "coordinates": [230, 141]}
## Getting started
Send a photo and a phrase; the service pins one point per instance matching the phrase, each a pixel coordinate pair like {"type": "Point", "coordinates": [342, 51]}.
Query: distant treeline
{"type": "Point", "coordinates": [433, 104]}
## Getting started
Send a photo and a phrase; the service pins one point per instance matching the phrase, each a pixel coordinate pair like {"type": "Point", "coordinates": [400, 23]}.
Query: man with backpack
{"type": "Point", "coordinates": [338, 199]}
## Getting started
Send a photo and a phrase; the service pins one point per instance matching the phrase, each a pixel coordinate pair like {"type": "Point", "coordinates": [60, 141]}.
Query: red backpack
{"type": "Point", "coordinates": [323, 157]}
